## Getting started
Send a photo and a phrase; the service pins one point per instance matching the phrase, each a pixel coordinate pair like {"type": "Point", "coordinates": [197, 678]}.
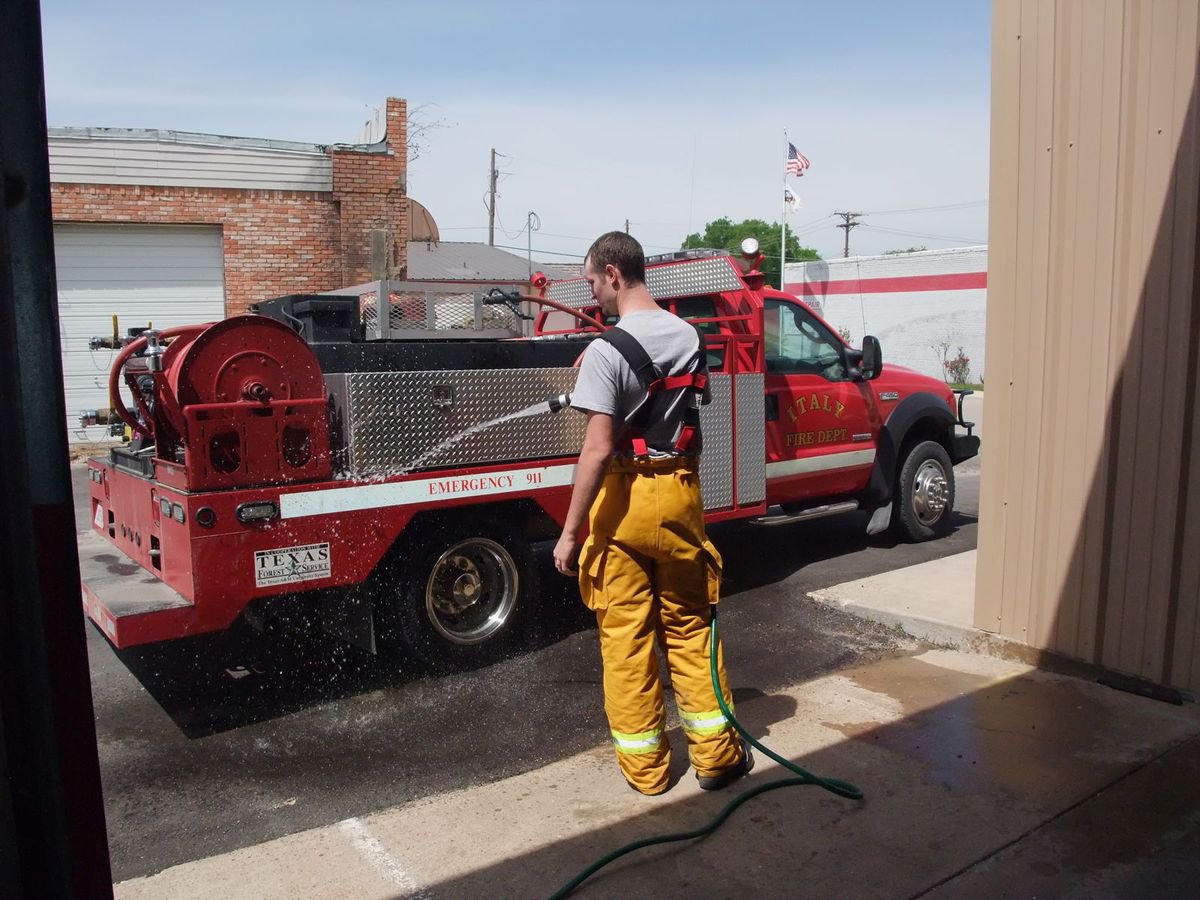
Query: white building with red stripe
{"type": "Point", "coordinates": [915, 303]}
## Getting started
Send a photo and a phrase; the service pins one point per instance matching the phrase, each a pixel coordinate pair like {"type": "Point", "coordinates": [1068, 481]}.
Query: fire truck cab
{"type": "Point", "coordinates": [387, 456]}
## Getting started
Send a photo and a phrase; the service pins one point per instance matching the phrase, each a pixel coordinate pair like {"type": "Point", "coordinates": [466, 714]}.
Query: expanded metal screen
{"type": "Point", "coordinates": [415, 309]}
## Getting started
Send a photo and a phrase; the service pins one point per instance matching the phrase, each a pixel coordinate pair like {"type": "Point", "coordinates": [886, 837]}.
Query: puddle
{"type": "Point", "coordinates": [1026, 735]}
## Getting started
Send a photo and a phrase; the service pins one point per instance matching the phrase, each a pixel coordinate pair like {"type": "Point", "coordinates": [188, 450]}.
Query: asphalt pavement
{"type": "Point", "coordinates": [222, 742]}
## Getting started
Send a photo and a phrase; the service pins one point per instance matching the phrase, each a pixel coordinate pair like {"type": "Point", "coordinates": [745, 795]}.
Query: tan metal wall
{"type": "Point", "coordinates": [1089, 538]}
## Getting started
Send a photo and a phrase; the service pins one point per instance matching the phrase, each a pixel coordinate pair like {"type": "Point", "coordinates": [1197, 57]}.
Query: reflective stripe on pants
{"type": "Point", "coordinates": [649, 572]}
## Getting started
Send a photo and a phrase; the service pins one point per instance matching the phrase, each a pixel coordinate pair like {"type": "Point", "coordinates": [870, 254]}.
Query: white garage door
{"type": "Point", "coordinates": [164, 274]}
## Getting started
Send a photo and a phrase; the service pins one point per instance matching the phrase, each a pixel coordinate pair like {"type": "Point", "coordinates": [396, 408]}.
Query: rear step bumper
{"type": "Point", "coordinates": [129, 604]}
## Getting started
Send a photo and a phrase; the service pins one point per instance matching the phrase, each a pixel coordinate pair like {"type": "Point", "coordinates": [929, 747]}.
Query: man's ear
{"type": "Point", "coordinates": [612, 273]}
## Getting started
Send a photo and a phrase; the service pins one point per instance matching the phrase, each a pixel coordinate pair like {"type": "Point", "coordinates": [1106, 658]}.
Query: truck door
{"type": "Point", "coordinates": [822, 427]}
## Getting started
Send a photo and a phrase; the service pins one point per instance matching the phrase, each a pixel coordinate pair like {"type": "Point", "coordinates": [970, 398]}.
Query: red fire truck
{"type": "Point", "coordinates": [387, 456]}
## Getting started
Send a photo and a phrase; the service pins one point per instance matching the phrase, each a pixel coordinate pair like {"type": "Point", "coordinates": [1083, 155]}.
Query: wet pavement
{"type": "Point", "coordinates": [982, 778]}
{"type": "Point", "coordinates": [223, 742]}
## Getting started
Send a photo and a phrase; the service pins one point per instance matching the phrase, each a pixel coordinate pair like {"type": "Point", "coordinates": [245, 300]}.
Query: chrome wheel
{"type": "Point", "coordinates": [930, 492]}
{"type": "Point", "coordinates": [472, 591]}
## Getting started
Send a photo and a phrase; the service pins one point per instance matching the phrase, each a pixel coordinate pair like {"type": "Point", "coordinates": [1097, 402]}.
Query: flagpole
{"type": "Point", "coordinates": [783, 227]}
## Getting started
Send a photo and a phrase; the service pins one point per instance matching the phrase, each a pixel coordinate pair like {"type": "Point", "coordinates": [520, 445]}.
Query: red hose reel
{"type": "Point", "coordinates": [243, 399]}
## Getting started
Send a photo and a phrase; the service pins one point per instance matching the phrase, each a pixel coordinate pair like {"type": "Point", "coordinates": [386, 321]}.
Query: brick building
{"type": "Point", "coordinates": [173, 228]}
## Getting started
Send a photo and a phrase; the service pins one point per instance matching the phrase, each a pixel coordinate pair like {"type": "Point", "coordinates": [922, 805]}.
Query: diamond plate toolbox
{"type": "Point", "coordinates": [714, 274]}
{"type": "Point", "coordinates": [389, 423]}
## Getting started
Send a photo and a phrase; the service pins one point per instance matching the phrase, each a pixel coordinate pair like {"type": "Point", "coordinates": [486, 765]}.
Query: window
{"type": "Point", "coordinates": [797, 343]}
{"type": "Point", "coordinates": [702, 308]}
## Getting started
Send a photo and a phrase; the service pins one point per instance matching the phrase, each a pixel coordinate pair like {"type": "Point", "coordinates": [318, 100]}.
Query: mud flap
{"type": "Point", "coordinates": [348, 615]}
{"type": "Point", "coordinates": [881, 519]}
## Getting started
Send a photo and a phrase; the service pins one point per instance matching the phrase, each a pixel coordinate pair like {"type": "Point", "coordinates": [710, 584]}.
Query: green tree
{"type": "Point", "coordinates": [905, 250]}
{"type": "Point", "coordinates": [723, 234]}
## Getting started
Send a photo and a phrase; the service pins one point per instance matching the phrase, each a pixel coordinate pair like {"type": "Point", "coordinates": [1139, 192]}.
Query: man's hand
{"type": "Point", "coordinates": [564, 554]}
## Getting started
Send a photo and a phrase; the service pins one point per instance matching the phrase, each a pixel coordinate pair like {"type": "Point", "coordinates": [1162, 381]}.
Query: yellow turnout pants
{"type": "Point", "coordinates": [650, 573]}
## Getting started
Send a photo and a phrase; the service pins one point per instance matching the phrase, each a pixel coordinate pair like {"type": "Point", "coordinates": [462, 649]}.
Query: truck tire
{"type": "Point", "coordinates": [924, 493]}
{"type": "Point", "coordinates": [453, 599]}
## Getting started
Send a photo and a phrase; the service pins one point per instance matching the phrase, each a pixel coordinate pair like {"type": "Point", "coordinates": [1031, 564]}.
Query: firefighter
{"type": "Point", "coordinates": [647, 569]}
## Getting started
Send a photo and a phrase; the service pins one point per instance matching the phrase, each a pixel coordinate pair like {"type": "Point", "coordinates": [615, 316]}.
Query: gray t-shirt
{"type": "Point", "coordinates": [607, 384]}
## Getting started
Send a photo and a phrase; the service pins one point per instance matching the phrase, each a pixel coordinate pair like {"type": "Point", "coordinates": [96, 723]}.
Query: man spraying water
{"type": "Point", "coordinates": [647, 569]}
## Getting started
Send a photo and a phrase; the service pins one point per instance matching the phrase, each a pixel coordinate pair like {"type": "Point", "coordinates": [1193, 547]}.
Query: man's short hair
{"type": "Point", "coordinates": [616, 248]}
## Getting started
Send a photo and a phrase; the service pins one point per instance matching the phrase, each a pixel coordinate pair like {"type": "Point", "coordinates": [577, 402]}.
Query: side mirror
{"type": "Point", "coordinates": [872, 358]}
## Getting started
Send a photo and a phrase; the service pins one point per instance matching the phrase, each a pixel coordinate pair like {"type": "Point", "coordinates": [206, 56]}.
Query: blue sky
{"type": "Point", "coordinates": [669, 114]}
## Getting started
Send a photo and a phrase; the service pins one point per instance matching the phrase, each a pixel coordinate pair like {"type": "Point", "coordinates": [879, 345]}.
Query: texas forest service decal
{"type": "Point", "coordinates": [286, 565]}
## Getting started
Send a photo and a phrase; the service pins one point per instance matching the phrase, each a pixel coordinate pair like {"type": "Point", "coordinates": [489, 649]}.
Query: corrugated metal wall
{"type": "Point", "coordinates": [1090, 511]}
{"type": "Point", "coordinates": [109, 160]}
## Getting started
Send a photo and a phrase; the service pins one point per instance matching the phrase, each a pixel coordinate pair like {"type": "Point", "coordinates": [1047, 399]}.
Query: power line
{"type": "Point", "coordinates": [922, 234]}
{"type": "Point", "coordinates": [809, 227]}
{"type": "Point", "coordinates": [918, 209]}
{"type": "Point", "coordinates": [508, 234]}
{"type": "Point", "coordinates": [812, 228]}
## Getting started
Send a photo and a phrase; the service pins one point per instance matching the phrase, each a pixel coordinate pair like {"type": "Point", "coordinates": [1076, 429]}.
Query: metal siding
{"type": "Point", "coordinates": [1047, 576]}
{"type": "Point", "coordinates": [1036, 121]}
{"type": "Point", "coordinates": [1001, 314]}
{"type": "Point", "coordinates": [1094, 295]}
{"type": "Point", "coordinates": [1160, 428]}
{"type": "Point", "coordinates": [1127, 574]}
{"type": "Point", "coordinates": [165, 163]}
{"type": "Point", "coordinates": [1185, 668]}
{"type": "Point", "coordinates": [1090, 503]}
{"type": "Point", "coordinates": [168, 275]}
{"type": "Point", "coordinates": [1180, 394]}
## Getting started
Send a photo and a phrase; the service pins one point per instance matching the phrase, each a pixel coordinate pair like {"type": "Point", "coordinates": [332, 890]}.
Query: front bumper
{"type": "Point", "coordinates": [963, 447]}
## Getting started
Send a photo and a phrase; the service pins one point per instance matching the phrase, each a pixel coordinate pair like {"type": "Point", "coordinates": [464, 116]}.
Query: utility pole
{"type": "Point", "coordinates": [492, 201]}
{"type": "Point", "coordinates": [627, 226]}
{"type": "Point", "coordinates": [849, 220]}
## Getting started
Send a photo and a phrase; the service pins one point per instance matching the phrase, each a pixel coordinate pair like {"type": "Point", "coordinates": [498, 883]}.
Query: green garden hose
{"type": "Point", "coordinates": [803, 777]}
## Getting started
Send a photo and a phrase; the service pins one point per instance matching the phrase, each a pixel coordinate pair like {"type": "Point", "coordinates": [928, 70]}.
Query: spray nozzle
{"type": "Point", "coordinates": [559, 403]}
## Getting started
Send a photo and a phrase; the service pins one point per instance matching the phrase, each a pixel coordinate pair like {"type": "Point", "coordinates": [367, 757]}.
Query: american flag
{"type": "Point", "coordinates": [797, 162]}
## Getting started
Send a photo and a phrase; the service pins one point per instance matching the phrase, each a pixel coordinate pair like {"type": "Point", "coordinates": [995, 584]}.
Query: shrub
{"type": "Point", "coordinates": [958, 369]}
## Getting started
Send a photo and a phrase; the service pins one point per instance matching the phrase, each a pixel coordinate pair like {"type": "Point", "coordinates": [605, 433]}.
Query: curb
{"type": "Point", "coordinates": [942, 634]}
{"type": "Point", "coordinates": [968, 639]}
